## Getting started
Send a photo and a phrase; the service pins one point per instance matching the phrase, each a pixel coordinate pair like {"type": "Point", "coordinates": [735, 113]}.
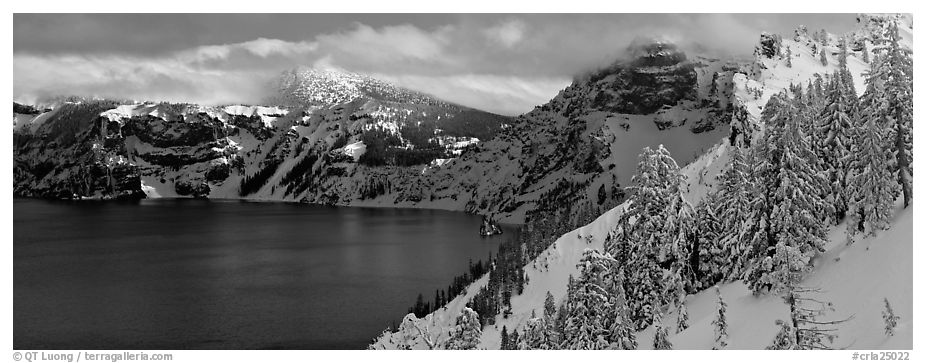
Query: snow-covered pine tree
{"type": "Point", "coordinates": [894, 70]}
{"type": "Point", "coordinates": [594, 309]}
{"type": "Point", "coordinates": [720, 323]}
{"type": "Point", "coordinates": [766, 157]}
{"type": "Point", "coordinates": [680, 225]}
{"type": "Point", "coordinates": [871, 188]}
{"type": "Point", "coordinates": [788, 201]}
{"type": "Point", "coordinates": [535, 336]}
{"type": "Point", "coordinates": [587, 321]}
{"type": "Point", "coordinates": [549, 308]}
{"type": "Point", "coordinates": [682, 320]}
{"type": "Point", "coordinates": [834, 133]}
{"type": "Point", "coordinates": [710, 261]}
{"type": "Point", "coordinates": [731, 251]}
{"type": "Point", "coordinates": [788, 59]}
{"type": "Point", "coordinates": [843, 69]}
{"type": "Point", "coordinates": [467, 332]}
{"type": "Point", "coordinates": [513, 340]}
{"type": "Point", "coordinates": [549, 318]}
{"type": "Point", "coordinates": [622, 334]}
{"type": "Point", "coordinates": [504, 339]}
{"type": "Point", "coordinates": [823, 56]}
{"type": "Point", "coordinates": [559, 324]}
{"type": "Point", "coordinates": [890, 320]}
{"type": "Point", "coordinates": [651, 238]}
{"type": "Point", "coordinates": [661, 335]}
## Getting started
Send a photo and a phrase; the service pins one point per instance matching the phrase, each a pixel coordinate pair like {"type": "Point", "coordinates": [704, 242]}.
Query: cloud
{"type": "Point", "coordinates": [507, 95]}
{"type": "Point", "coordinates": [388, 44]}
{"type": "Point", "coordinates": [503, 63]}
{"type": "Point", "coordinates": [121, 77]}
{"type": "Point", "coordinates": [261, 47]}
{"type": "Point", "coordinates": [507, 33]}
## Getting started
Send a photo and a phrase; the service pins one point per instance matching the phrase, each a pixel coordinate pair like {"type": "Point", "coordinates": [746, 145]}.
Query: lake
{"type": "Point", "coordinates": [207, 274]}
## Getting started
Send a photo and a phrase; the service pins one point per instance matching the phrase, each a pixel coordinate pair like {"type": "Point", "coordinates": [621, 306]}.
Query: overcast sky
{"type": "Point", "coordinates": [505, 63]}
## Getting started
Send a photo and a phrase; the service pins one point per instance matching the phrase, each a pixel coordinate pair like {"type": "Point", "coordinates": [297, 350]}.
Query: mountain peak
{"type": "Point", "coordinates": [654, 53]}
{"type": "Point", "coordinates": [325, 86]}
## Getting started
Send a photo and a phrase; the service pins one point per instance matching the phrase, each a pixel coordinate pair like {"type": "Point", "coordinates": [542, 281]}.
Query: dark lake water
{"type": "Point", "coordinates": [196, 274]}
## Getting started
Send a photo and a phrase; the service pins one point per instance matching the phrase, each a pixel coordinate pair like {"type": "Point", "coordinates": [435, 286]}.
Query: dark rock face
{"type": "Point", "coordinates": [74, 154]}
{"type": "Point", "coordinates": [660, 75]}
{"type": "Point", "coordinates": [24, 109]}
{"type": "Point", "coordinates": [163, 133]}
{"type": "Point", "coordinates": [770, 45]}
{"type": "Point", "coordinates": [187, 188]}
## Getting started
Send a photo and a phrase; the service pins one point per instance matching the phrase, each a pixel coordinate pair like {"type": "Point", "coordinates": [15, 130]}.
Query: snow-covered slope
{"type": "Point", "coordinates": [854, 278]}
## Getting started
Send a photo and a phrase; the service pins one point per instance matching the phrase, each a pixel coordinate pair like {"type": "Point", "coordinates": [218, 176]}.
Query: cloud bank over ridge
{"type": "Point", "coordinates": [504, 63]}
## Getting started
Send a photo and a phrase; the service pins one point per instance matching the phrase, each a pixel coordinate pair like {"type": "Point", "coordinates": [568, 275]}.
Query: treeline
{"type": "Point", "coordinates": [386, 148]}
{"type": "Point", "coordinates": [507, 278]}
{"type": "Point", "coordinates": [471, 123]}
{"type": "Point", "coordinates": [295, 178]}
{"type": "Point", "coordinates": [443, 296]}
{"type": "Point", "coordinates": [250, 184]}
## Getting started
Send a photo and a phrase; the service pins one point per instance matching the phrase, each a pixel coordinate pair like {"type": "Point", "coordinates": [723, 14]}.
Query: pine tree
{"type": "Point", "coordinates": [894, 70]}
{"type": "Point", "coordinates": [720, 323]}
{"type": "Point", "coordinates": [823, 56]}
{"type": "Point", "coordinates": [788, 202]}
{"type": "Point", "coordinates": [513, 340]}
{"type": "Point", "coordinates": [586, 323]}
{"type": "Point", "coordinates": [708, 261]}
{"type": "Point", "coordinates": [559, 324]}
{"type": "Point", "coordinates": [726, 253]}
{"type": "Point", "coordinates": [504, 338]}
{"type": "Point", "coordinates": [871, 188]}
{"type": "Point", "coordinates": [661, 335]}
{"type": "Point", "coordinates": [834, 130]}
{"type": "Point", "coordinates": [788, 59]}
{"type": "Point", "coordinates": [466, 333]}
{"type": "Point", "coordinates": [549, 318]}
{"type": "Point", "coordinates": [651, 241]}
{"type": "Point", "coordinates": [622, 334]}
{"type": "Point", "coordinates": [682, 321]}
{"type": "Point", "coordinates": [535, 336]}
{"type": "Point", "coordinates": [890, 320]}
{"type": "Point", "coordinates": [594, 311]}
{"type": "Point", "coordinates": [549, 308]}
{"type": "Point", "coordinates": [419, 307]}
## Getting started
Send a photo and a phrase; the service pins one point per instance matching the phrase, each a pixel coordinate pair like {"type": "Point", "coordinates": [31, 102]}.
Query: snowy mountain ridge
{"type": "Point", "coordinates": [346, 139]}
{"type": "Point", "coordinates": [308, 87]}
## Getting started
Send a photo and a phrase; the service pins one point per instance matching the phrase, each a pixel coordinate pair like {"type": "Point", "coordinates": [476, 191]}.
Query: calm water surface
{"type": "Point", "coordinates": [196, 274]}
